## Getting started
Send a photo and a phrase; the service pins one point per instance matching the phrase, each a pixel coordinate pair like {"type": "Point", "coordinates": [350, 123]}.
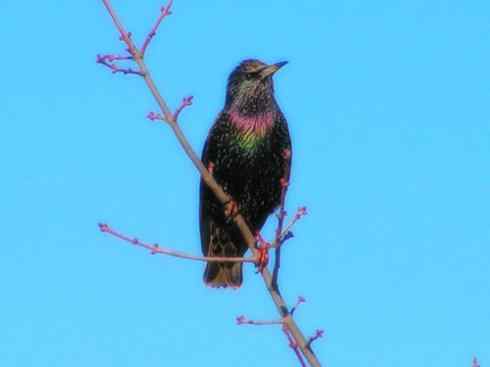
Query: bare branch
{"type": "Point", "coordinates": [293, 330]}
{"type": "Point", "coordinates": [157, 249]}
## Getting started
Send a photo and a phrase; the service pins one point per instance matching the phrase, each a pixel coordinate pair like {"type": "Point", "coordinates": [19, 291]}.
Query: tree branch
{"type": "Point", "coordinates": [157, 249]}
{"type": "Point", "coordinates": [249, 238]}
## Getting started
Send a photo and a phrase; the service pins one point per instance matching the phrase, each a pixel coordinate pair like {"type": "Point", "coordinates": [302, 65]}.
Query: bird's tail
{"type": "Point", "coordinates": [221, 240]}
{"type": "Point", "coordinates": [224, 275]}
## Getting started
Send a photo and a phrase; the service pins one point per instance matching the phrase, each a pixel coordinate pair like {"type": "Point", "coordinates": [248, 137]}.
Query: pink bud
{"type": "Point", "coordinates": [103, 227]}
{"type": "Point", "coordinates": [211, 167]}
{"type": "Point", "coordinates": [188, 100]}
{"type": "Point", "coordinates": [154, 116]}
{"type": "Point", "coordinates": [302, 211]}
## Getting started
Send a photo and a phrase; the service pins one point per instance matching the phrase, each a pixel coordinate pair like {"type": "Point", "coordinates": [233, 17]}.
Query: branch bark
{"type": "Point", "coordinates": [169, 117]}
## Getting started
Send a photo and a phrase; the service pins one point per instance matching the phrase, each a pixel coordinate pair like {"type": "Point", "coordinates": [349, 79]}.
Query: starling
{"type": "Point", "coordinates": [244, 151]}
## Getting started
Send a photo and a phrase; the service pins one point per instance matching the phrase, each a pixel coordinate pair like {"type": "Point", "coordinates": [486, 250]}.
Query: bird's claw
{"type": "Point", "coordinates": [262, 252]}
{"type": "Point", "coordinates": [262, 257]}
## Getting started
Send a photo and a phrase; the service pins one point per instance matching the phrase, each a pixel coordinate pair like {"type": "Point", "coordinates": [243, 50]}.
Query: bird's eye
{"type": "Point", "coordinates": [249, 75]}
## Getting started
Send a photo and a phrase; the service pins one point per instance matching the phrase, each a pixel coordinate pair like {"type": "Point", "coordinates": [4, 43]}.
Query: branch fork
{"type": "Point", "coordinates": [109, 59]}
{"type": "Point", "coordinates": [318, 334]}
{"type": "Point", "coordinates": [243, 320]}
{"type": "Point", "coordinates": [186, 102]}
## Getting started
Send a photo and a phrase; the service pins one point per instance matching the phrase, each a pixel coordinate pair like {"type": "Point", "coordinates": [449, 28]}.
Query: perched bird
{"type": "Point", "coordinates": [244, 151]}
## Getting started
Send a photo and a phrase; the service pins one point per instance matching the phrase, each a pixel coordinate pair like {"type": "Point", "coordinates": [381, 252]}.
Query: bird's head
{"type": "Point", "coordinates": [250, 89]}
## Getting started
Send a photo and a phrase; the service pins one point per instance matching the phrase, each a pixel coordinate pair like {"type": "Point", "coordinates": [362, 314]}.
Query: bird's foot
{"type": "Point", "coordinates": [262, 253]}
{"type": "Point", "coordinates": [262, 257]}
{"type": "Point", "coordinates": [231, 210]}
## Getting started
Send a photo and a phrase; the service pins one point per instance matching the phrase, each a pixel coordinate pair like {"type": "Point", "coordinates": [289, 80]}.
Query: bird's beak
{"type": "Point", "coordinates": [271, 69]}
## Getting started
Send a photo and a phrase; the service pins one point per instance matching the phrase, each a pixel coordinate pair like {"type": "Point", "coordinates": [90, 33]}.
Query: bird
{"type": "Point", "coordinates": [245, 152]}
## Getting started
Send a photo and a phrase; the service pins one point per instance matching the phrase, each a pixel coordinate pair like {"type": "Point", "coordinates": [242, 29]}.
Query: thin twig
{"type": "Point", "coordinates": [286, 155]}
{"type": "Point", "coordinates": [294, 345]}
{"type": "Point", "coordinates": [298, 302]}
{"type": "Point", "coordinates": [318, 334]}
{"type": "Point", "coordinates": [186, 102]}
{"type": "Point", "coordinates": [157, 249]}
{"type": "Point", "coordinates": [108, 60]}
{"type": "Point", "coordinates": [242, 320]}
{"type": "Point", "coordinates": [164, 12]}
{"type": "Point", "coordinates": [223, 197]}
{"type": "Point", "coordinates": [154, 116]}
{"type": "Point", "coordinates": [286, 233]}
{"type": "Point", "coordinates": [112, 57]}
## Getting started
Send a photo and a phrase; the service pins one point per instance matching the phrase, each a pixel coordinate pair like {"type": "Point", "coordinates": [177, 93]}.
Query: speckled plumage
{"type": "Point", "coordinates": [245, 147]}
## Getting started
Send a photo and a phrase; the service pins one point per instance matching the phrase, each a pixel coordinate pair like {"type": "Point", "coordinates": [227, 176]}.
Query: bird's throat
{"type": "Point", "coordinates": [256, 124]}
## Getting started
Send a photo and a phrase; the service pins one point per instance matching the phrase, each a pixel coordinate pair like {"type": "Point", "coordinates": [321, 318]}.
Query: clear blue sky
{"type": "Point", "coordinates": [388, 105]}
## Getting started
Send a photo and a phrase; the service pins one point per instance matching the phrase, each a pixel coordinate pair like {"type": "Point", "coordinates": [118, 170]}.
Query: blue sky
{"type": "Point", "coordinates": [387, 103]}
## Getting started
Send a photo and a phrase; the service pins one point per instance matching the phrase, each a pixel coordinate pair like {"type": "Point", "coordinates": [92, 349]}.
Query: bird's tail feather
{"type": "Point", "coordinates": [224, 241]}
{"type": "Point", "coordinates": [224, 275]}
